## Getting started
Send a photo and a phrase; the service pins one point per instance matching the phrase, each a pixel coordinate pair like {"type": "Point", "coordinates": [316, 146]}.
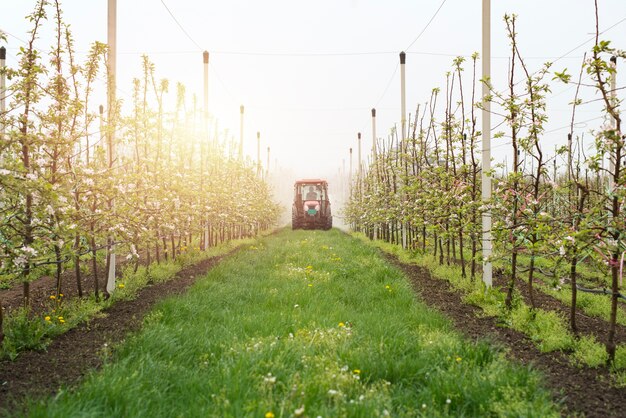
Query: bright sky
{"type": "Point", "coordinates": [308, 73]}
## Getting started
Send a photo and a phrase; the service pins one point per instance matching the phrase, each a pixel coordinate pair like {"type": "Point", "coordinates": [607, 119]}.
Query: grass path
{"type": "Point", "coordinates": [302, 324]}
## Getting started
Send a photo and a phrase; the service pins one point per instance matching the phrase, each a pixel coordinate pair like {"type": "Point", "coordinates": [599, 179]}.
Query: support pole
{"type": "Point", "coordinates": [241, 133]}
{"type": "Point", "coordinates": [111, 122]}
{"type": "Point", "coordinates": [360, 168]}
{"type": "Point", "coordinates": [374, 160]}
{"type": "Point", "coordinates": [403, 120]}
{"type": "Point", "coordinates": [205, 60]}
{"type": "Point", "coordinates": [374, 151]}
{"type": "Point", "coordinates": [205, 127]}
{"type": "Point", "coordinates": [486, 144]}
{"type": "Point", "coordinates": [3, 89]}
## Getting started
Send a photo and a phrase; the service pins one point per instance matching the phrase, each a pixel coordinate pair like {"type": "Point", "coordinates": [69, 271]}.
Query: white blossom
{"type": "Point", "coordinates": [30, 250]}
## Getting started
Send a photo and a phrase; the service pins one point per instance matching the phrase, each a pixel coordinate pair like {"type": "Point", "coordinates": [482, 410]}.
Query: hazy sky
{"type": "Point", "coordinates": [308, 73]}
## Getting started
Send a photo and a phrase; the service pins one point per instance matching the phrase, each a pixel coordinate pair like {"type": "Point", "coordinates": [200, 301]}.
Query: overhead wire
{"type": "Point", "coordinates": [427, 25]}
{"type": "Point", "coordinates": [181, 26]}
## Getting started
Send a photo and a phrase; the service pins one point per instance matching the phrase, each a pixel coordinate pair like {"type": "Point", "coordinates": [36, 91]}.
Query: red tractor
{"type": "Point", "coordinates": [311, 206]}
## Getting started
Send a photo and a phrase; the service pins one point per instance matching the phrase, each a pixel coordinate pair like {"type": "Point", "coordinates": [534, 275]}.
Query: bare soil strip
{"type": "Point", "coordinates": [580, 390]}
{"type": "Point", "coordinates": [74, 354]}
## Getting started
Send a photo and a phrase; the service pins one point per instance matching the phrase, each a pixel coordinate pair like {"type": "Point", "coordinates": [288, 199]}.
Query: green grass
{"type": "Point", "coordinates": [591, 304]}
{"type": "Point", "coordinates": [24, 331]}
{"type": "Point", "coordinates": [548, 330]}
{"type": "Point", "coordinates": [302, 324]}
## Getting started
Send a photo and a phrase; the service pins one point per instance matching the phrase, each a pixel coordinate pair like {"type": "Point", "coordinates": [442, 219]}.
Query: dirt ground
{"type": "Point", "coordinates": [73, 354]}
{"type": "Point", "coordinates": [581, 391]}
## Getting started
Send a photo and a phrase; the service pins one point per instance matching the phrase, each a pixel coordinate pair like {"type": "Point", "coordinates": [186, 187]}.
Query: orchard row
{"type": "Point", "coordinates": [551, 215]}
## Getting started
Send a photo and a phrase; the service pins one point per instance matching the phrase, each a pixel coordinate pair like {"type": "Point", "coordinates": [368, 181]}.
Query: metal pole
{"type": "Point", "coordinates": [205, 60]}
{"type": "Point", "coordinates": [3, 89]}
{"type": "Point", "coordinates": [112, 67]}
{"type": "Point", "coordinates": [569, 157]}
{"type": "Point", "coordinates": [258, 154]}
{"type": "Point", "coordinates": [403, 120]}
{"type": "Point", "coordinates": [360, 169]}
{"type": "Point", "coordinates": [205, 127]}
{"type": "Point", "coordinates": [374, 133]}
{"type": "Point", "coordinates": [241, 133]}
{"type": "Point", "coordinates": [486, 143]}
{"type": "Point", "coordinates": [403, 94]}
{"type": "Point", "coordinates": [374, 159]}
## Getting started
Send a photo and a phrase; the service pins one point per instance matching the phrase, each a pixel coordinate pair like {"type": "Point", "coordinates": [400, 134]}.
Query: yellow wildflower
{"type": "Point", "coordinates": [356, 371]}
{"type": "Point", "coordinates": [60, 318]}
{"type": "Point", "coordinates": [60, 295]}
{"type": "Point", "coordinates": [53, 297]}
{"type": "Point", "coordinates": [121, 285]}
{"type": "Point", "coordinates": [342, 325]}
{"type": "Point", "coordinates": [47, 318]}
{"type": "Point", "coordinates": [310, 285]}
{"type": "Point", "coordinates": [62, 321]}
{"type": "Point", "coordinates": [269, 414]}
{"type": "Point", "coordinates": [458, 359]}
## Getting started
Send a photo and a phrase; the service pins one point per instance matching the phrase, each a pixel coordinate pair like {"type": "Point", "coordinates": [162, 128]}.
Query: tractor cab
{"type": "Point", "coordinates": [311, 205]}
